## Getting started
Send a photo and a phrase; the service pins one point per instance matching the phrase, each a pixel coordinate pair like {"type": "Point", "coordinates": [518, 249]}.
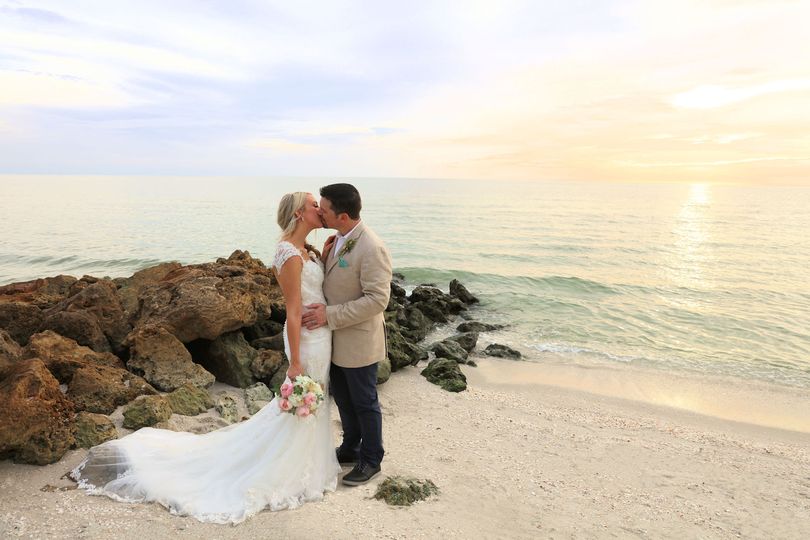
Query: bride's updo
{"type": "Point", "coordinates": [287, 207]}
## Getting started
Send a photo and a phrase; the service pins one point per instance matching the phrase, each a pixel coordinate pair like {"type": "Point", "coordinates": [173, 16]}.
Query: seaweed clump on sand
{"type": "Point", "coordinates": [404, 491]}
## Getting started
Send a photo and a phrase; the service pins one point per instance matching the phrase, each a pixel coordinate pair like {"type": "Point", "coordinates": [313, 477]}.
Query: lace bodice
{"type": "Point", "coordinates": [311, 274]}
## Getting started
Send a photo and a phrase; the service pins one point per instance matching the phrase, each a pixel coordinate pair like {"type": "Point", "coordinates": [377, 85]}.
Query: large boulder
{"type": "Point", "coordinates": [396, 347]}
{"type": "Point", "coordinates": [401, 352]}
{"type": "Point", "coordinates": [431, 300]}
{"type": "Point", "coordinates": [446, 374]}
{"type": "Point", "coordinates": [398, 293]}
{"type": "Point", "coordinates": [20, 319]}
{"type": "Point", "coordinates": [275, 343]}
{"type": "Point", "coordinates": [93, 429]}
{"type": "Point", "coordinates": [190, 400]}
{"type": "Point", "coordinates": [264, 328]}
{"type": "Point", "coordinates": [147, 411]}
{"type": "Point", "coordinates": [63, 356]}
{"type": "Point", "coordinates": [229, 357]}
{"type": "Point", "coordinates": [100, 389]}
{"type": "Point", "coordinates": [279, 376]}
{"type": "Point", "coordinates": [129, 289]}
{"type": "Point", "coordinates": [79, 326]}
{"type": "Point", "coordinates": [98, 300]}
{"type": "Point", "coordinates": [42, 293]}
{"type": "Point", "coordinates": [160, 358]}
{"type": "Point", "coordinates": [9, 353]}
{"type": "Point", "coordinates": [204, 301]}
{"type": "Point", "coordinates": [36, 420]}
{"type": "Point", "coordinates": [97, 382]}
{"type": "Point", "coordinates": [460, 291]}
{"type": "Point", "coordinates": [267, 363]}
{"type": "Point", "coordinates": [415, 326]}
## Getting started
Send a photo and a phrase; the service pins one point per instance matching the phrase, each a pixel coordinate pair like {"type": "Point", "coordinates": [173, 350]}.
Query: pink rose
{"type": "Point", "coordinates": [284, 404]}
{"type": "Point", "coordinates": [286, 389]}
{"type": "Point", "coordinates": [310, 398]}
{"type": "Point", "coordinates": [302, 411]}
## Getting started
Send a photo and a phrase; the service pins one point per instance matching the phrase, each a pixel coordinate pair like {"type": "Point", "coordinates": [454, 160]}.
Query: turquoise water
{"type": "Point", "coordinates": [699, 278]}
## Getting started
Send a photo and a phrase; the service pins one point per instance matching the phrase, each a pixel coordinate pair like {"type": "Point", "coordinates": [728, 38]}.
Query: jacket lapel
{"type": "Point", "coordinates": [333, 260]}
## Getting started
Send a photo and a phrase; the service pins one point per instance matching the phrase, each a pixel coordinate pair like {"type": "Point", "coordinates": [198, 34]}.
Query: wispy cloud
{"type": "Point", "coordinates": [713, 96]}
{"type": "Point", "coordinates": [718, 163]}
{"type": "Point", "coordinates": [520, 89]}
{"type": "Point", "coordinates": [282, 146]}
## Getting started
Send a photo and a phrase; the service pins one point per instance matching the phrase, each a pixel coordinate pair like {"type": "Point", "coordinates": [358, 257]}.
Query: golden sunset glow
{"type": "Point", "coordinates": [641, 91]}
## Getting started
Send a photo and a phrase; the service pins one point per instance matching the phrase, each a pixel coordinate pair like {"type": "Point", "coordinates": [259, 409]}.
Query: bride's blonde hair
{"type": "Point", "coordinates": [287, 207]}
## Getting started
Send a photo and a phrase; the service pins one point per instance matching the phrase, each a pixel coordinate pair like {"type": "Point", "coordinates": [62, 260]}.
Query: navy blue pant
{"type": "Point", "coordinates": [355, 393]}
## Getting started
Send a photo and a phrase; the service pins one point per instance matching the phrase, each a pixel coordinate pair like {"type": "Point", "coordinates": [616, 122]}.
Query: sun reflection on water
{"type": "Point", "coordinates": [691, 259]}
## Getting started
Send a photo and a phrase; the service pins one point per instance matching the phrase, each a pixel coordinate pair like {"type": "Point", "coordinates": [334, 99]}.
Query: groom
{"type": "Point", "coordinates": [356, 286]}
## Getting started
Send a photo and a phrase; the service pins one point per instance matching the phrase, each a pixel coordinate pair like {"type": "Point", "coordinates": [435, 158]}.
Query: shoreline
{"type": "Point", "coordinates": [512, 458]}
{"type": "Point", "coordinates": [728, 398]}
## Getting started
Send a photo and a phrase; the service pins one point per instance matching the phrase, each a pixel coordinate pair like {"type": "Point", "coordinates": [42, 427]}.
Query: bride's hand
{"type": "Point", "coordinates": [327, 247]}
{"type": "Point", "coordinates": [294, 371]}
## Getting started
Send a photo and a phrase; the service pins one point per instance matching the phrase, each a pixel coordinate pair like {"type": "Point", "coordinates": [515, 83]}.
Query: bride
{"type": "Point", "coordinates": [273, 460]}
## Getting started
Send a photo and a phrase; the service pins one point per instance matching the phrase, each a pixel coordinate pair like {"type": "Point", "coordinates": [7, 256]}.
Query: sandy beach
{"type": "Point", "coordinates": [528, 451]}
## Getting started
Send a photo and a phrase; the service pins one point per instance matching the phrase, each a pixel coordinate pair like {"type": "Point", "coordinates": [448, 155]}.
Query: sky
{"type": "Point", "coordinates": [683, 91]}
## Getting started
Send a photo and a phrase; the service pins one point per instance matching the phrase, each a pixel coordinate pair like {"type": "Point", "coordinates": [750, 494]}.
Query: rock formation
{"type": "Point", "coordinates": [73, 350]}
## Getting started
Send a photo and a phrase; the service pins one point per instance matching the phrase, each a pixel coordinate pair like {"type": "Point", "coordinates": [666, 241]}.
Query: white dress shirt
{"type": "Point", "coordinates": [340, 240]}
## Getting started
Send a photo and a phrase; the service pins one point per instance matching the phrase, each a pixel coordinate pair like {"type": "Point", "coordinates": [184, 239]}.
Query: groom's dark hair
{"type": "Point", "coordinates": [344, 198]}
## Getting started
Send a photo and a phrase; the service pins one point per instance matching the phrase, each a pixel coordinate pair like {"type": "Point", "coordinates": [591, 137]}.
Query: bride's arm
{"type": "Point", "coordinates": [289, 278]}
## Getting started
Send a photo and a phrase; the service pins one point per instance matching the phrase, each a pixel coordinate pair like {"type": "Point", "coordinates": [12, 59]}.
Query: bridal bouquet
{"type": "Point", "coordinates": [301, 397]}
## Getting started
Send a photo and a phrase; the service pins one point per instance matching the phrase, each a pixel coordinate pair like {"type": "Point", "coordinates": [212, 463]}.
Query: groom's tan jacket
{"type": "Point", "coordinates": [356, 297]}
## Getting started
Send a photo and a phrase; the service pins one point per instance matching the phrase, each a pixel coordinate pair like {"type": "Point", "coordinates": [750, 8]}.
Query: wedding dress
{"type": "Point", "coordinates": [273, 460]}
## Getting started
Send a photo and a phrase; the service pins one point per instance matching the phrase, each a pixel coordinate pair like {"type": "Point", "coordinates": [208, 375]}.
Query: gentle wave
{"type": "Point", "coordinates": [709, 279]}
{"type": "Point", "coordinates": [519, 282]}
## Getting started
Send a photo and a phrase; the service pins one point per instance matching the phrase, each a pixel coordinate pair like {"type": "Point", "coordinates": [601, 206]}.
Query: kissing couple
{"type": "Point", "coordinates": [334, 335]}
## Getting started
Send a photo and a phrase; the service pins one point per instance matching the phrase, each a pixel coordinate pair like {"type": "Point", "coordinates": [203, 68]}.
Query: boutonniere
{"type": "Point", "coordinates": [347, 248]}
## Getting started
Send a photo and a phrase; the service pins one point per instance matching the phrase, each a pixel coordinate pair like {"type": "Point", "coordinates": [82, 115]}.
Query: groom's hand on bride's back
{"type": "Point", "coordinates": [314, 316]}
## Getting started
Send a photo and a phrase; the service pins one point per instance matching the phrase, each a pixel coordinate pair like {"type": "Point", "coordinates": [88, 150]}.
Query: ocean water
{"type": "Point", "coordinates": [693, 278]}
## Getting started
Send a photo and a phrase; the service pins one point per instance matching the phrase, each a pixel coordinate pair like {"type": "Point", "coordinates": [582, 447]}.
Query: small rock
{"type": "Point", "coordinates": [460, 291]}
{"type": "Point", "coordinates": [383, 370]}
{"type": "Point", "coordinates": [93, 429]}
{"type": "Point", "coordinates": [147, 411]}
{"type": "Point", "coordinates": [257, 396]}
{"type": "Point", "coordinates": [446, 374]}
{"type": "Point", "coordinates": [475, 326]}
{"type": "Point", "coordinates": [226, 407]}
{"type": "Point", "coordinates": [467, 340]}
{"type": "Point", "coordinates": [502, 351]}
{"type": "Point", "coordinates": [190, 400]}
{"type": "Point", "coordinates": [450, 349]}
